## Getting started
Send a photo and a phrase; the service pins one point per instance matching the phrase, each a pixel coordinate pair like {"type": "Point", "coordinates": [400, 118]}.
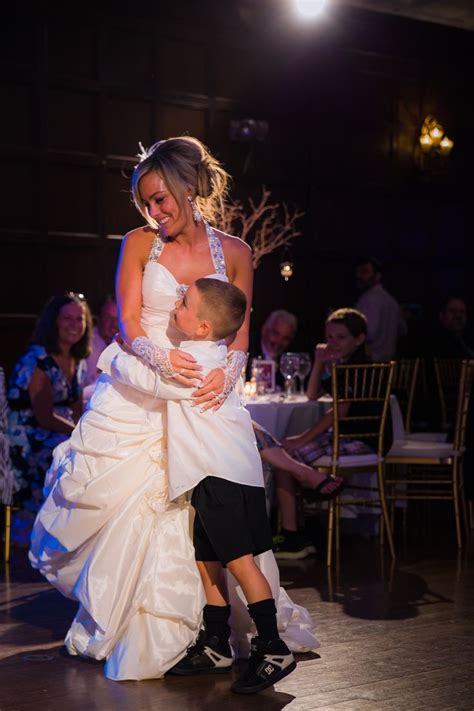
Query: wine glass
{"type": "Point", "coordinates": [304, 367]}
{"type": "Point", "coordinates": [289, 368]}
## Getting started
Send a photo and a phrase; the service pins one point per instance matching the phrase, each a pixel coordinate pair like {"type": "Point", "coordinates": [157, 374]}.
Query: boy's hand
{"type": "Point", "coordinates": [208, 394]}
{"type": "Point", "coordinates": [187, 370]}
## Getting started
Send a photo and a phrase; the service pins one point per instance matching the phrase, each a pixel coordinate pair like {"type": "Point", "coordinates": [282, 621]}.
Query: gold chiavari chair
{"type": "Point", "coordinates": [404, 382]}
{"type": "Point", "coordinates": [367, 386]}
{"type": "Point", "coordinates": [7, 532]}
{"type": "Point", "coordinates": [447, 374]}
{"type": "Point", "coordinates": [6, 474]}
{"type": "Point", "coordinates": [431, 470]}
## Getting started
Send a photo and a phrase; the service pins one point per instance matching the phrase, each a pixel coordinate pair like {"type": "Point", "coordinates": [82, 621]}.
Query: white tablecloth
{"type": "Point", "coordinates": [285, 417]}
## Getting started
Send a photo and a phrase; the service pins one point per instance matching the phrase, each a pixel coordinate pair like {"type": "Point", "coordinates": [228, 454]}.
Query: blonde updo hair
{"type": "Point", "coordinates": [188, 168]}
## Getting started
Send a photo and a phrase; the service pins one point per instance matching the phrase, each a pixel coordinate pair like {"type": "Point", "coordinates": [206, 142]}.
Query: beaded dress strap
{"type": "Point", "coordinates": [217, 252]}
{"type": "Point", "coordinates": [156, 249]}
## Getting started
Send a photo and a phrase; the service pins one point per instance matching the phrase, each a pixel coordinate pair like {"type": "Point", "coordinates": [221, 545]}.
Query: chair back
{"type": "Point", "coordinates": [398, 429]}
{"type": "Point", "coordinates": [404, 381]}
{"type": "Point", "coordinates": [6, 471]}
{"type": "Point", "coordinates": [448, 376]}
{"type": "Point", "coordinates": [464, 396]}
{"type": "Point", "coordinates": [366, 389]}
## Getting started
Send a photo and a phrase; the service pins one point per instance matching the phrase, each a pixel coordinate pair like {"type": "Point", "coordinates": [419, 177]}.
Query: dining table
{"type": "Point", "coordinates": [284, 415]}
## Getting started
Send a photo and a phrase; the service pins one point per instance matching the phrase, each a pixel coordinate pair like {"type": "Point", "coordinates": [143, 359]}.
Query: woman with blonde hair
{"type": "Point", "coordinates": [108, 535]}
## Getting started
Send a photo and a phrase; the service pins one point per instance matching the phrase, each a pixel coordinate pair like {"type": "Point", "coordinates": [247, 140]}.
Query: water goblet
{"type": "Point", "coordinates": [289, 369]}
{"type": "Point", "coordinates": [304, 367]}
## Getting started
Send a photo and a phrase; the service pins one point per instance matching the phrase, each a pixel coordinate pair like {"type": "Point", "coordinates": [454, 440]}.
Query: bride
{"type": "Point", "coordinates": [107, 534]}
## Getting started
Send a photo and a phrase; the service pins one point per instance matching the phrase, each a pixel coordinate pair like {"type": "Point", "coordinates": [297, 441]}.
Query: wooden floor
{"type": "Point", "coordinates": [392, 637]}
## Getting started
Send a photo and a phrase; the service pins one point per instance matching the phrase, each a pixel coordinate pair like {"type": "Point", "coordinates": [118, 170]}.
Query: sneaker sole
{"type": "Point", "coordinates": [195, 672]}
{"type": "Point", "coordinates": [265, 684]}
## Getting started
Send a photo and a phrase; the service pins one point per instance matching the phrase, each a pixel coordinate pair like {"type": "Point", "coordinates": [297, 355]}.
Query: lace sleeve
{"type": "Point", "coordinates": [236, 361]}
{"type": "Point", "coordinates": [153, 355]}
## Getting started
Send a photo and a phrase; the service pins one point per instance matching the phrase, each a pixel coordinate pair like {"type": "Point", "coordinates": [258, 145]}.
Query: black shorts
{"type": "Point", "coordinates": [231, 520]}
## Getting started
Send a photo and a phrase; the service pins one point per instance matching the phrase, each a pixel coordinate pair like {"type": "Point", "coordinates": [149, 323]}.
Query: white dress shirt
{"type": "Point", "coordinates": [384, 322]}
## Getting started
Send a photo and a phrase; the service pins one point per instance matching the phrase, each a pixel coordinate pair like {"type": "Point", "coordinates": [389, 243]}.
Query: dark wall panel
{"type": "Point", "coordinates": [72, 50]}
{"type": "Point", "coordinates": [72, 120]}
{"type": "Point", "coordinates": [120, 212]}
{"type": "Point", "coordinates": [344, 105]}
{"type": "Point", "coordinates": [183, 66]}
{"type": "Point", "coordinates": [127, 120]}
{"type": "Point", "coordinates": [16, 115]}
{"type": "Point", "coordinates": [178, 120]}
{"type": "Point", "coordinates": [127, 56]}
{"type": "Point", "coordinates": [72, 192]}
{"type": "Point", "coordinates": [19, 203]}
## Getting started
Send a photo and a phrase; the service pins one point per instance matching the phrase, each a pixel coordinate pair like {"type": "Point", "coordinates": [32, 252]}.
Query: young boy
{"type": "Point", "coordinates": [215, 454]}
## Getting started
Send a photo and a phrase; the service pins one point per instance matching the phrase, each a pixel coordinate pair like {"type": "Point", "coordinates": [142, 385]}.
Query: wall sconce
{"type": "Point", "coordinates": [286, 270]}
{"type": "Point", "coordinates": [286, 264]}
{"type": "Point", "coordinates": [433, 140]}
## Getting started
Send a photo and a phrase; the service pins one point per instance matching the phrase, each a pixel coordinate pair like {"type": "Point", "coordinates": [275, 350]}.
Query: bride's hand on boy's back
{"type": "Point", "coordinates": [211, 387]}
{"type": "Point", "coordinates": [187, 370]}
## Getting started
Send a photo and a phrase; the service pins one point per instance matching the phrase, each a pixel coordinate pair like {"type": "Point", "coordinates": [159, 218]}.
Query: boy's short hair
{"type": "Point", "coordinates": [353, 320]}
{"type": "Point", "coordinates": [222, 304]}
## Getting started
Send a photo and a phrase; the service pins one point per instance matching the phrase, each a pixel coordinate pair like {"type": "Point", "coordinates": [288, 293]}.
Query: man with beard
{"type": "Point", "coordinates": [449, 339]}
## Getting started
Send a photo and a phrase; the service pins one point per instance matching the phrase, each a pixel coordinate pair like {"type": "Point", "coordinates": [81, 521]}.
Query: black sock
{"type": "Point", "coordinates": [263, 613]}
{"type": "Point", "coordinates": [216, 621]}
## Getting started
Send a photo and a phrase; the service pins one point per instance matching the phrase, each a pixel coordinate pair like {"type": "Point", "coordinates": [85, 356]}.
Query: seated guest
{"type": "Point", "coordinates": [449, 338]}
{"type": "Point", "coordinates": [45, 395]}
{"type": "Point", "coordinates": [384, 321]}
{"type": "Point", "coordinates": [346, 331]}
{"type": "Point", "coordinates": [275, 337]}
{"type": "Point", "coordinates": [105, 328]}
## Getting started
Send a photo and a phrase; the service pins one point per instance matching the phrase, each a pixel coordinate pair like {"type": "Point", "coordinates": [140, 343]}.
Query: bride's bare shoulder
{"type": "Point", "coordinates": [140, 239]}
{"type": "Point", "coordinates": [232, 243]}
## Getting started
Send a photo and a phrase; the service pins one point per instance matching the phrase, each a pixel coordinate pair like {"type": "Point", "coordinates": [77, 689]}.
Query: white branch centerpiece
{"type": "Point", "coordinates": [264, 225]}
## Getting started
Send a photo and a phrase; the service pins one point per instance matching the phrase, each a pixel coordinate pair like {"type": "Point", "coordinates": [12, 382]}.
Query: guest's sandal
{"type": "Point", "coordinates": [319, 495]}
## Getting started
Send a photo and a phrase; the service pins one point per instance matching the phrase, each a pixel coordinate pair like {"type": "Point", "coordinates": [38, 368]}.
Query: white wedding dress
{"type": "Point", "coordinates": [108, 536]}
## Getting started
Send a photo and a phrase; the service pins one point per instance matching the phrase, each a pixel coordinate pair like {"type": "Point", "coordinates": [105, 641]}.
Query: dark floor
{"type": "Point", "coordinates": [392, 637]}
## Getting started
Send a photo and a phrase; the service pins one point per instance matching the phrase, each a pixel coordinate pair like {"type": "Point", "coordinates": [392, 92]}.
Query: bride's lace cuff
{"type": "Point", "coordinates": [236, 361]}
{"type": "Point", "coordinates": [153, 355]}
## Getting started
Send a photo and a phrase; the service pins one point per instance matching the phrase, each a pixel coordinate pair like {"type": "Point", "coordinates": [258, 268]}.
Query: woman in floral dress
{"type": "Point", "coordinates": [45, 396]}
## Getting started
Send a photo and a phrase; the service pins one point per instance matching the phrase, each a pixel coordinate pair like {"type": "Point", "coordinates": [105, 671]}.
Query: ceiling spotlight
{"type": "Point", "coordinates": [309, 8]}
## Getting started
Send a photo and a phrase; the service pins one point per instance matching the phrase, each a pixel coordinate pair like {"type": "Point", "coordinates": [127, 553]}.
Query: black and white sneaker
{"type": "Point", "coordinates": [208, 655]}
{"type": "Point", "coordinates": [268, 663]}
